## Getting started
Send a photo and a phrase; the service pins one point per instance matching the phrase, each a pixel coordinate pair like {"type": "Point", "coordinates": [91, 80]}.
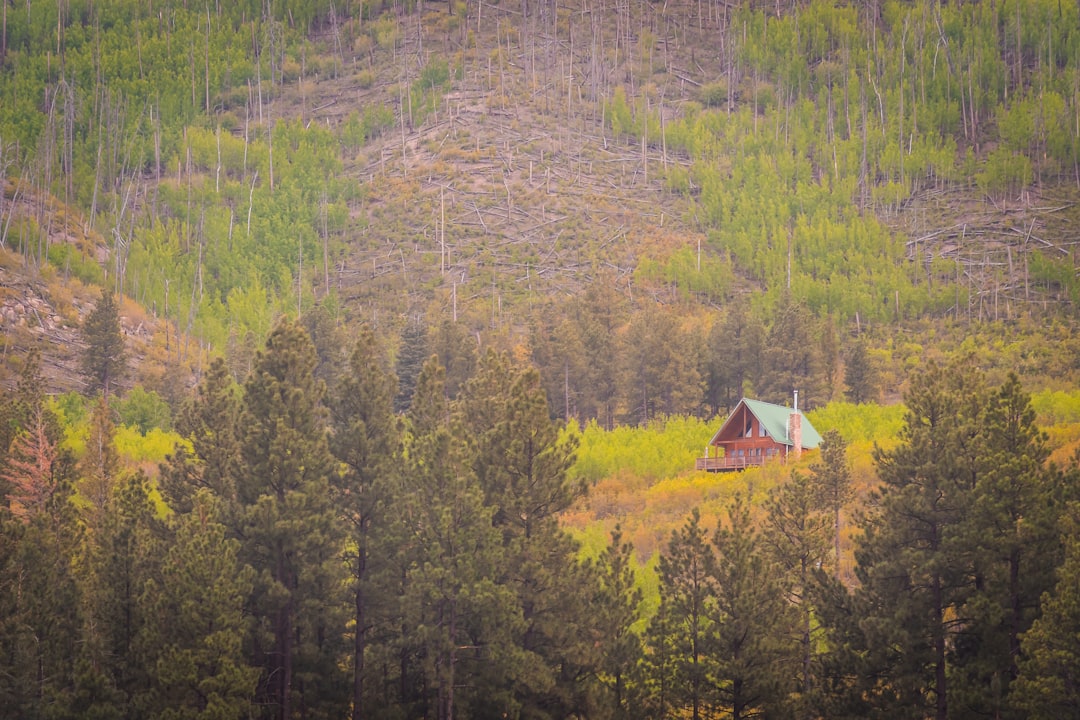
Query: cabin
{"type": "Point", "coordinates": [757, 432]}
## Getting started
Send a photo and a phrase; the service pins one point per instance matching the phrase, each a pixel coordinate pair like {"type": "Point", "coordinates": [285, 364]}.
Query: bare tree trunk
{"type": "Point", "coordinates": [359, 645]}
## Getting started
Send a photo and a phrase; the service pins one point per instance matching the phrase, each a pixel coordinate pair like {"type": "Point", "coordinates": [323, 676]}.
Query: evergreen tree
{"type": "Point", "coordinates": [832, 482]}
{"type": "Point", "coordinates": [365, 442]}
{"type": "Point", "coordinates": [796, 536]}
{"type": "Point", "coordinates": [290, 532]}
{"type": "Point", "coordinates": [1010, 532]}
{"type": "Point", "coordinates": [830, 358]}
{"type": "Point", "coordinates": [598, 314]}
{"type": "Point", "coordinates": [617, 604]}
{"type": "Point", "coordinates": [522, 464]}
{"type": "Point", "coordinates": [104, 362]}
{"type": "Point", "coordinates": [753, 624]}
{"type": "Point", "coordinates": [456, 349]}
{"type": "Point", "coordinates": [454, 607]}
{"type": "Point", "coordinates": [412, 352]}
{"type": "Point", "coordinates": [210, 421]}
{"type": "Point", "coordinates": [859, 376]}
{"type": "Point", "coordinates": [734, 358]}
{"type": "Point", "coordinates": [39, 602]}
{"type": "Point", "coordinates": [121, 555]}
{"type": "Point", "coordinates": [659, 374]}
{"type": "Point", "coordinates": [658, 675]}
{"type": "Point", "coordinates": [330, 342]}
{"type": "Point", "coordinates": [687, 587]}
{"type": "Point", "coordinates": [99, 467]}
{"type": "Point", "coordinates": [847, 669]}
{"type": "Point", "coordinates": [1048, 686]}
{"type": "Point", "coordinates": [522, 461]}
{"type": "Point", "coordinates": [196, 620]}
{"type": "Point", "coordinates": [558, 353]}
{"type": "Point", "coordinates": [914, 576]}
{"type": "Point", "coordinates": [792, 358]}
{"type": "Point", "coordinates": [16, 408]}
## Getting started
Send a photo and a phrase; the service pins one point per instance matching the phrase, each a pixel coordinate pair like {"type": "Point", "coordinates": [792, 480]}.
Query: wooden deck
{"type": "Point", "coordinates": [722, 464]}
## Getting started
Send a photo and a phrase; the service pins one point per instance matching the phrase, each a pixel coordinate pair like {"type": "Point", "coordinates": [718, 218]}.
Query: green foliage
{"type": "Point", "coordinates": [291, 532]}
{"type": "Point", "coordinates": [70, 260]}
{"type": "Point", "coordinates": [144, 409]}
{"type": "Point", "coordinates": [863, 423]}
{"type": "Point", "coordinates": [1055, 407]}
{"type": "Point", "coordinates": [714, 94]}
{"type": "Point", "coordinates": [197, 611]}
{"type": "Point", "coordinates": [664, 448]}
{"type": "Point", "coordinates": [425, 93]}
{"type": "Point", "coordinates": [104, 362]}
{"type": "Point", "coordinates": [1046, 687]}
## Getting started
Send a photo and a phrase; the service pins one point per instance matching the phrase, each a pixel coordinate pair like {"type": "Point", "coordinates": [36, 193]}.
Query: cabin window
{"type": "Point", "coordinates": [761, 430]}
{"type": "Point", "coordinates": [749, 432]}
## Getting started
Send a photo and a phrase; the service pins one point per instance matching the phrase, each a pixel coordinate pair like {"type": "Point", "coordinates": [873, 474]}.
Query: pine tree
{"type": "Point", "coordinates": [658, 679]}
{"type": "Point", "coordinates": [617, 603]}
{"type": "Point", "coordinates": [1011, 533]}
{"type": "Point", "coordinates": [454, 606]}
{"type": "Point", "coordinates": [99, 467]}
{"type": "Point", "coordinates": [289, 528]}
{"type": "Point", "coordinates": [196, 619]}
{"type": "Point", "coordinates": [913, 573]}
{"type": "Point", "coordinates": [38, 596]}
{"type": "Point", "coordinates": [599, 315]}
{"type": "Point", "coordinates": [734, 359]}
{"type": "Point", "coordinates": [32, 464]}
{"type": "Point", "coordinates": [365, 441]}
{"type": "Point", "coordinates": [754, 627]}
{"type": "Point", "coordinates": [832, 482]}
{"type": "Point", "coordinates": [558, 353]}
{"type": "Point", "coordinates": [687, 587]}
{"type": "Point", "coordinates": [17, 407]}
{"type": "Point", "coordinates": [104, 362]}
{"type": "Point", "coordinates": [456, 349]}
{"type": "Point", "coordinates": [412, 352]}
{"type": "Point", "coordinates": [330, 342]}
{"type": "Point", "coordinates": [659, 374]}
{"type": "Point", "coordinates": [792, 358]}
{"type": "Point", "coordinates": [121, 554]}
{"type": "Point", "coordinates": [1048, 687]}
{"type": "Point", "coordinates": [859, 376]}
{"type": "Point", "coordinates": [210, 421]}
{"type": "Point", "coordinates": [796, 536]}
{"type": "Point", "coordinates": [522, 464]}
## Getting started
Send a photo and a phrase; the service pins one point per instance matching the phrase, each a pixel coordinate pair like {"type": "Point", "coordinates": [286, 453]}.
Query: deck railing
{"type": "Point", "coordinates": [729, 463]}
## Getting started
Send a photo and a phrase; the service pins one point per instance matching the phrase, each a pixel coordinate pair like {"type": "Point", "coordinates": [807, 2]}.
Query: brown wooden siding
{"type": "Point", "coordinates": [743, 453]}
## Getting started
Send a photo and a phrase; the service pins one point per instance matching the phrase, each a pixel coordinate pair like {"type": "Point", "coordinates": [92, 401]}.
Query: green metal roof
{"type": "Point", "coordinates": [775, 420]}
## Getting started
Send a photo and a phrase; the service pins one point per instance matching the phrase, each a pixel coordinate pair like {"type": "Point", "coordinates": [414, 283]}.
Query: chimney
{"type": "Point", "coordinates": [795, 428]}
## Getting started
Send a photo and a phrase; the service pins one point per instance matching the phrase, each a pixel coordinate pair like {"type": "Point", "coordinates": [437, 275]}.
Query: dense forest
{"type": "Point", "coordinates": [306, 551]}
{"type": "Point", "coordinates": [356, 355]}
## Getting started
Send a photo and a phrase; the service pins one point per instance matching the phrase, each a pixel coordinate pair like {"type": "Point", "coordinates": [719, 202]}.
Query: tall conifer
{"type": "Point", "coordinates": [365, 441]}
{"type": "Point", "coordinates": [104, 361]}
{"type": "Point", "coordinates": [687, 586]}
{"type": "Point", "coordinates": [522, 464]}
{"type": "Point", "coordinates": [754, 650]}
{"type": "Point", "coordinates": [289, 528]}
{"type": "Point", "coordinates": [210, 421]}
{"type": "Point", "coordinates": [914, 574]}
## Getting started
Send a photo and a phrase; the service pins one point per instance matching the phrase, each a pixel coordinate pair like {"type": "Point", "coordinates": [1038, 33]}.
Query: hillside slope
{"type": "Point", "coordinates": [475, 163]}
